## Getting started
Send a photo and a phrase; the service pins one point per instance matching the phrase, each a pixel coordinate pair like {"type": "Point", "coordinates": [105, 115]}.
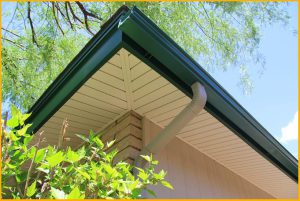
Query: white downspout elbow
{"type": "Point", "coordinates": [170, 131]}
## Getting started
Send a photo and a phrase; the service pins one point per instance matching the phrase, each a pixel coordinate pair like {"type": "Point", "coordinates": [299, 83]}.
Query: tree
{"type": "Point", "coordinates": [41, 38]}
{"type": "Point", "coordinates": [58, 172]}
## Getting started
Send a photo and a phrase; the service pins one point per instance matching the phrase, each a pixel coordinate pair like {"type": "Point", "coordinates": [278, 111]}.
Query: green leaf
{"type": "Point", "coordinates": [50, 150]}
{"type": "Point", "coordinates": [31, 152]}
{"type": "Point", "coordinates": [57, 194]}
{"type": "Point", "coordinates": [167, 184]}
{"type": "Point", "coordinates": [110, 170]}
{"type": "Point", "coordinates": [21, 177]}
{"type": "Point", "coordinates": [13, 122]}
{"type": "Point", "coordinates": [139, 169]}
{"type": "Point", "coordinates": [27, 139]}
{"type": "Point", "coordinates": [39, 155]}
{"type": "Point", "coordinates": [155, 162]}
{"type": "Point", "coordinates": [24, 148]}
{"type": "Point", "coordinates": [17, 153]}
{"type": "Point", "coordinates": [147, 158]}
{"type": "Point", "coordinates": [86, 175]}
{"type": "Point", "coordinates": [91, 135]}
{"type": "Point", "coordinates": [10, 166]}
{"type": "Point", "coordinates": [162, 174]}
{"type": "Point", "coordinates": [151, 192]}
{"type": "Point", "coordinates": [16, 114]}
{"type": "Point", "coordinates": [109, 144]}
{"type": "Point", "coordinates": [133, 184]}
{"type": "Point", "coordinates": [122, 165]}
{"type": "Point", "coordinates": [143, 175]}
{"type": "Point", "coordinates": [72, 156]}
{"type": "Point", "coordinates": [75, 194]}
{"type": "Point", "coordinates": [31, 189]}
{"type": "Point", "coordinates": [136, 193]}
{"type": "Point", "coordinates": [22, 131]}
{"type": "Point", "coordinates": [81, 152]}
{"type": "Point", "coordinates": [98, 142]}
{"type": "Point", "coordinates": [125, 187]}
{"type": "Point", "coordinates": [14, 110]}
{"type": "Point", "coordinates": [25, 116]}
{"type": "Point", "coordinates": [12, 136]}
{"type": "Point", "coordinates": [82, 137]}
{"type": "Point", "coordinates": [69, 168]}
{"type": "Point", "coordinates": [43, 170]}
{"type": "Point", "coordinates": [110, 155]}
{"type": "Point", "coordinates": [55, 159]}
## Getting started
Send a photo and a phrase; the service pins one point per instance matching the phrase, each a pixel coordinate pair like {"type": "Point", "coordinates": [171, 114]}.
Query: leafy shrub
{"type": "Point", "coordinates": [54, 172]}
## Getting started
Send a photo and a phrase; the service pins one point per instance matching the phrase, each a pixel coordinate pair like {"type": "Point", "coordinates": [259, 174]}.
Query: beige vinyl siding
{"type": "Point", "coordinates": [209, 136]}
{"type": "Point", "coordinates": [127, 133]}
{"type": "Point", "coordinates": [195, 175]}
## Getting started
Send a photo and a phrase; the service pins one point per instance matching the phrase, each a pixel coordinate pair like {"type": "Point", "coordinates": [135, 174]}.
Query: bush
{"type": "Point", "coordinates": [54, 172]}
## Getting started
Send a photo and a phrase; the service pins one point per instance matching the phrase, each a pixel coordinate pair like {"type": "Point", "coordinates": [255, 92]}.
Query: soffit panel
{"type": "Point", "coordinates": [98, 102]}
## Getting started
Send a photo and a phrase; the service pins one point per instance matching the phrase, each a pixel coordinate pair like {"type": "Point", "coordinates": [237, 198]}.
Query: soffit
{"type": "Point", "coordinates": [125, 83]}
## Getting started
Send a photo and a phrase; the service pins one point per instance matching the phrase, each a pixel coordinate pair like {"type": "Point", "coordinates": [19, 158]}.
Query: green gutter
{"type": "Point", "coordinates": [154, 47]}
{"type": "Point", "coordinates": [96, 53]}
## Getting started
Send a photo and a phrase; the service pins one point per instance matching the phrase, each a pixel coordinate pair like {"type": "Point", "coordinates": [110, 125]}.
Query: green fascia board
{"type": "Point", "coordinates": [135, 32]}
{"type": "Point", "coordinates": [106, 43]}
{"type": "Point", "coordinates": [178, 67]}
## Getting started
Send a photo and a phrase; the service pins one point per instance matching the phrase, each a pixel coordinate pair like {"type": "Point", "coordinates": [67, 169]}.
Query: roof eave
{"type": "Point", "coordinates": [159, 51]}
{"type": "Point", "coordinates": [135, 32]}
{"type": "Point", "coordinates": [95, 53]}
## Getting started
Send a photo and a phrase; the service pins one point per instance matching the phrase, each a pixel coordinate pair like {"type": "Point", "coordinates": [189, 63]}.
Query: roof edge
{"type": "Point", "coordinates": [107, 32]}
{"type": "Point", "coordinates": [138, 34]}
{"type": "Point", "coordinates": [161, 48]}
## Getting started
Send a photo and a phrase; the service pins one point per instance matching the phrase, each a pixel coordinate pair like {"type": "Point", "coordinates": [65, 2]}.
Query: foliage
{"type": "Point", "coordinates": [29, 171]}
{"type": "Point", "coordinates": [38, 46]}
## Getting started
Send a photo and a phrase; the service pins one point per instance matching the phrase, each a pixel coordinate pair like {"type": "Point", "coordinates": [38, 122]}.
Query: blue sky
{"type": "Point", "coordinates": [274, 99]}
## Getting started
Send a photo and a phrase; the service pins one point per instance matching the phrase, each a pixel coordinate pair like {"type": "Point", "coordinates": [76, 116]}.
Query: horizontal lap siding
{"type": "Point", "coordinates": [127, 133]}
{"type": "Point", "coordinates": [216, 141]}
{"type": "Point", "coordinates": [195, 175]}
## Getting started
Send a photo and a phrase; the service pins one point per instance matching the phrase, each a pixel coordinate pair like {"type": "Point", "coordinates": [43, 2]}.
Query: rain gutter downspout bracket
{"type": "Point", "coordinates": [170, 131]}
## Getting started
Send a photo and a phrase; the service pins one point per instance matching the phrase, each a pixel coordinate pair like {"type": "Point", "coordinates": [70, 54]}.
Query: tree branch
{"type": "Point", "coordinates": [14, 43]}
{"type": "Point", "coordinates": [3, 133]}
{"type": "Point", "coordinates": [198, 24]}
{"type": "Point", "coordinates": [67, 15]}
{"type": "Point", "coordinates": [18, 188]}
{"type": "Point", "coordinates": [31, 164]}
{"type": "Point", "coordinates": [11, 32]}
{"type": "Point", "coordinates": [86, 12]}
{"type": "Point", "coordinates": [56, 18]}
{"type": "Point", "coordinates": [85, 15]}
{"type": "Point", "coordinates": [24, 19]}
{"type": "Point", "coordinates": [208, 18]}
{"type": "Point", "coordinates": [14, 14]}
{"type": "Point", "coordinates": [63, 132]}
{"type": "Point", "coordinates": [73, 13]}
{"type": "Point", "coordinates": [31, 24]}
{"type": "Point", "coordinates": [58, 8]}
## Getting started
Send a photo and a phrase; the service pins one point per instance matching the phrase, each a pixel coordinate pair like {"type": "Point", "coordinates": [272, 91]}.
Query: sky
{"type": "Point", "coordinates": [274, 99]}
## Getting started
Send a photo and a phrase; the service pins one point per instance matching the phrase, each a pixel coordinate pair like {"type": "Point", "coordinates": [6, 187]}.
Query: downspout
{"type": "Point", "coordinates": [170, 131]}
